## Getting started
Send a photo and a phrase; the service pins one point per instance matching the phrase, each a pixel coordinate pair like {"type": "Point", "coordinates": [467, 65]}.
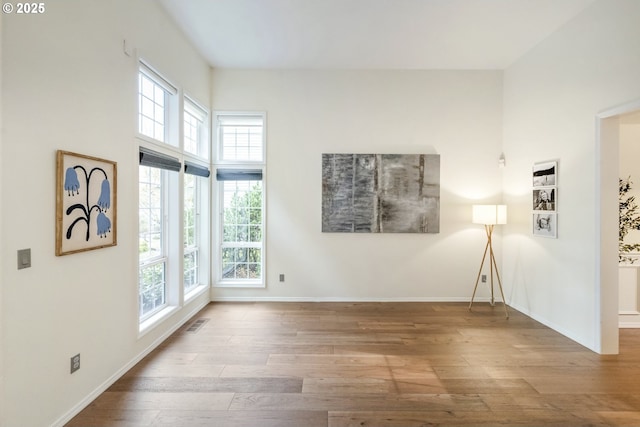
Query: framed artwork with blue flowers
{"type": "Point", "coordinates": [85, 203]}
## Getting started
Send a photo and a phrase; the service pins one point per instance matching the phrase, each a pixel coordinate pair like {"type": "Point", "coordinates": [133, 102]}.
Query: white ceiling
{"type": "Point", "coordinates": [369, 34]}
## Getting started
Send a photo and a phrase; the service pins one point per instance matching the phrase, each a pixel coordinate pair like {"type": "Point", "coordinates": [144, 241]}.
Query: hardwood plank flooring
{"type": "Point", "coordinates": [372, 364]}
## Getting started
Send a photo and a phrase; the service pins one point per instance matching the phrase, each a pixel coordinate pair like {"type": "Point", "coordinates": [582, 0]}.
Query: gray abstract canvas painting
{"type": "Point", "coordinates": [381, 193]}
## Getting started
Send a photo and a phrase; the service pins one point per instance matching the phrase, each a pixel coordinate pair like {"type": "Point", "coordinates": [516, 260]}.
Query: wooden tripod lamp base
{"type": "Point", "coordinates": [490, 216]}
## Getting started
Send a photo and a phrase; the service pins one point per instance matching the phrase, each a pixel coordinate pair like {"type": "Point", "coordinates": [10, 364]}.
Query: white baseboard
{"type": "Point", "coordinates": [344, 299]}
{"type": "Point", "coordinates": [116, 376]}
{"type": "Point", "coordinates": [629, 325]}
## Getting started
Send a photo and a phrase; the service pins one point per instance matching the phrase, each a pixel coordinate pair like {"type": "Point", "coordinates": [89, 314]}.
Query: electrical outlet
{"type": "Point", "coordinates": [282, 277]}
{"type": "Point", "coordinates": [484, 278]}
{"type": "Point", "coordinates": [75, 363]}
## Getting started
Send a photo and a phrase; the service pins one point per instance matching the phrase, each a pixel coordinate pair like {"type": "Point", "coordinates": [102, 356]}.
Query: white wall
{"type": "Point", "coordinates": [68, 85]}
{"type": "Point", "coordinates": [551, 98]}
{"type": "Point", "coordinates": [454, 114]}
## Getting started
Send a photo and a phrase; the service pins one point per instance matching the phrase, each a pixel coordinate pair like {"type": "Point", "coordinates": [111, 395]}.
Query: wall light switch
{"type": "Point", "coordinates": [24, 258]}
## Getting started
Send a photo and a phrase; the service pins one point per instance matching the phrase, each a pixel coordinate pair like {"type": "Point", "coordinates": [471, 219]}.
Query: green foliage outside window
{"type": "Point", "coordinates": [629, 220]}
{"type": "Point", "coordinates": [242, 228]}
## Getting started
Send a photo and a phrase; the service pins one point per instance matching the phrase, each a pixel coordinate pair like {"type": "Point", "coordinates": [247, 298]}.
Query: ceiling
{"type": "Point", "coordinates": [368, 34]}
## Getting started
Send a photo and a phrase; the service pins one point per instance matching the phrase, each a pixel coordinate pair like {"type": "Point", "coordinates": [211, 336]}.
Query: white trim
{"type": "Point", "coordinates": [239, 284]}
{"type": "Point", "coordinates": [605, 272]}
{"type": "Point", "coordinates": [156, 76]}
{"type": "Point", "coordinates": [156, 319]}
{"type": "Point", "coordinates": [196, 106]}
{"type": "Point", "coordinates": [346, 299]}
{"type": "Point", "coordinates": [218, 202]}
{"type": "Point", "coordinates": [620, 110]}
{"type": "Point", "coordinates": [124, 369]}
{"type": "Point", "coordinates": [629, 325]}
{"type": "Point", "coordinates": [159, 146]}
{"type": "Point", "coordinates": [195, 292]}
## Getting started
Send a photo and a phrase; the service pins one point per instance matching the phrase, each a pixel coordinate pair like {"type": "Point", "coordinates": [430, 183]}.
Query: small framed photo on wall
{"type": "Point", "coordinates": [544, 199]}
{"type": "Point", "coordinates": [545, 224]}
{"type": "Point", "coordinates": [544, 174]}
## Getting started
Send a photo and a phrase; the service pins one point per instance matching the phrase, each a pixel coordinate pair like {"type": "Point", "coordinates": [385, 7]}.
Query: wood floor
{"type": "Point", "coordinates": [372, 364]}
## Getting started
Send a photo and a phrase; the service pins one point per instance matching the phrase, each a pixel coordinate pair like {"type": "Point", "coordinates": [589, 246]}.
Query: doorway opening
{"type": "Point", "coordinates": [608, 151]}
{"type": "Point", "coordinates": [629, 270]}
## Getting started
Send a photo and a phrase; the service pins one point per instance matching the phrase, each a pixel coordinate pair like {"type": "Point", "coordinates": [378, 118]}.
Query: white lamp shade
{"type": "Point", "coordinates": [489, 214]}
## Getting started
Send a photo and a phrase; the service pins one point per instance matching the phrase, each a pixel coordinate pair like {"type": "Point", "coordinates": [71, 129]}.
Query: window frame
{"type": "Point", "coordinates": [222, 245]}
{"type": "Point", "coordinates": [171, 180]}
{"type": "Point", "coordinates": [189, 248]}
{"type": "Point", "coordinates": [203, 194]}
{"type": "Point", "coordinates": [217, 141]}
{"type": "Point", "coordinates": [176, 296]}
{"type": "Point", "coordinates": [163, 257]}
{"type": "Point", "coordinates": [202, 236]}
{"type": "Point", "coordinates": [171, 107]}
{"type": "Point", "coordinates": [239, 165]}
{"type": "Point", "coordinates": [199, 113]}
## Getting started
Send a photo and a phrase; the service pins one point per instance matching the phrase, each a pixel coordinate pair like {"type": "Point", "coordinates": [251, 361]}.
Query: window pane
{"type": "Point", "coordinates": [190, 243]}
{"type": "Point", "coordinates": [254, 271]}
{"type": "Point", "coordinates": [152, 282]}
{"type": "Point", "coordinates": [190, 210]}
{"type": "Point", "coordinates": [147, 107]}
{"type": "Point", "coordinates": [228, 263]}
{"type": "Point", "coordinates": [242, 230]}
{"type": "Point", "coordinates": [146, 126]}
{"type": "Point", "coordinates": [152, 288]}
{"type": "Point", "coordinates": [239, 215]}
{"type": "Point", "coordinates": [158, 96]}
{"type": "Point", "coordinates": [190, 270]}
{"type": "Point", "coordinates": [193, 133]}
{"type": "Point", "coordinates": [229, 233]}
{"type": "Point", "coordinates": [150, 214]}
{"type": "Point", "coordinates": [255, 233]}
{"type": "Point", "coordinates": [151, 108]}
{"type": "Point", "coordinates": [242, 142]}
{"type": "Point", "coordinates": [254, 255]}
{"type": "Point", "coordinates": [146, 86]}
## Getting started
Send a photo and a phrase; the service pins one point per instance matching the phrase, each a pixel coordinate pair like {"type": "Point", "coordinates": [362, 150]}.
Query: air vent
{"type": "Point", "coordinates": [196, 325]}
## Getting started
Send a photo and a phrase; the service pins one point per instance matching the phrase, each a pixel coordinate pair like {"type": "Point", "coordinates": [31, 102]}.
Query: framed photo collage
{"type": "Point", "coordinates": [545, 199]}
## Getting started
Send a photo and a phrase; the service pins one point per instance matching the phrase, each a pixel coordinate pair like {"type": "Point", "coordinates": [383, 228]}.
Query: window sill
{"type": "Point", "coordinates": [195, 292]}
{"type": "Point", "coordinates": [155, 320]}
{"type": "Point", "coordinates": [240, 284]}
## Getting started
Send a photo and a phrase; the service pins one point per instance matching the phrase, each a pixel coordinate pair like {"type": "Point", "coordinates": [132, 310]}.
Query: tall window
{"type": "Point", "coordinates": [242, 230]}
{"type": "Point", "coordinates": [240, 170]}
{"type": "Point", "coordinates": [151, 241]}
{"type": "Point", "coordinates": [190, 234]}
{"type": "Point", "coordinates": [196, 154]}
{"type": "Point", "coordinates": [173, 233]}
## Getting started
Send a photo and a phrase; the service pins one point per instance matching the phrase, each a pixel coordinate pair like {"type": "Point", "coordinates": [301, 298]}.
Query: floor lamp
{"type": "Point", "coordinates": [490, 216]}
